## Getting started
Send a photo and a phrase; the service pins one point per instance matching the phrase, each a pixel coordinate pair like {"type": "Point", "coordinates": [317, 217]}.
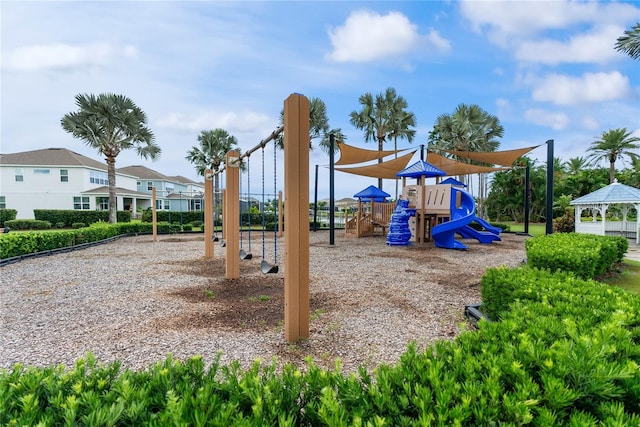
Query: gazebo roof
{"type": "Point", "coordinates": [453, 181]}
{"type": "Point", "coordinates": [612, 193]}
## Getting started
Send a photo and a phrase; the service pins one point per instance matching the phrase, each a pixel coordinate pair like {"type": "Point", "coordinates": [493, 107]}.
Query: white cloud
{"type": "Point", "coordinates": [367, 36]}
{"type": "Point", "coordinates": [61, 56]}
{"type": "Point", "coordinates": [591, 87]}
{"type": "Point", "coordinates": [554, 120]}
{"type": "Point", "coordinates": [590, 123]}
{"type": "Point", "coordinates": [592, 47]}
{"type": "Point", "coordinates": [239, 124]}
{"type": "Point", "coordinates": [524, 28]}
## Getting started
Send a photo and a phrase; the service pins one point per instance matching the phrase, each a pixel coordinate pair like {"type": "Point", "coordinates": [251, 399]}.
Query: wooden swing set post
{"type": "Point", "coordinates": [296, 233]}
{"type": "Point", "coordinates": [232, 214]}
{"type": "Point", "coordinates": [208, 224]}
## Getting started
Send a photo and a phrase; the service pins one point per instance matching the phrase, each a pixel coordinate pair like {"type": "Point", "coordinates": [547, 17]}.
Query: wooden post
{"type": "Point", "coordinates": [208, 214]}
{"type": "Point", "coordinates": [280, 215]}
{"type": "Point", "coordinates": [154, 215]}
{"type": "Point", "coordinates": [232, 216]}
{"type": "Point", "coordinates": [296, 233]}
{"type": "Point", "coordinates": [224, 215]}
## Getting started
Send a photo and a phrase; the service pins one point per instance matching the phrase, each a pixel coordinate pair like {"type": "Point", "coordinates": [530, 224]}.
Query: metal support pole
{"type": "Point", "coordinates": [315, 203]}
{"type": "Point", "coordinates": [527, 198]}
{"type": "Point", "coordinates": [332, 202]}
{"type": "Point", "coordinates": [549, 210]}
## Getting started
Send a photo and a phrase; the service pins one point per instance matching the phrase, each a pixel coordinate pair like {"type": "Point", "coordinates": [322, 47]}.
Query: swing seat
{"type": "Point", "coordinates": [268, 268]}
{"type": "Point", "coordinates": [223, 243]}
{"type": "Point", "coordinates": [245, 255]}
{"type": "Point", "coordinates": [214, 239]}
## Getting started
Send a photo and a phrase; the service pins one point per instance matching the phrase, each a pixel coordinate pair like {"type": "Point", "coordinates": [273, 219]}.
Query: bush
{"type": "Point", "coordinates": [60, 225]}
{"type": "Point", "coordinates": [27, 224]}
{"type": "Point", "coordinates": [78, 225]}
{"type": "Point", "coordinates": [197, 223]}
{"type": "Point", "coordinates": [586, 255]}
{"type": "Point", "coordinates": [565, 223]}
{"type": "Point", "coordinates": [187, 227]}
{"type": "Point", "coordinates": [7, 215]}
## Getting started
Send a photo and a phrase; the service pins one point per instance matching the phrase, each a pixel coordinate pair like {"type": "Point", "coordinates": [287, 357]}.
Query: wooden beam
{"type": "Point", "coordinates": [296, 231]}
{"type": "Point", "coordinates": [209, 222]}
{"type": "Point", "coordinates": [232, 215]}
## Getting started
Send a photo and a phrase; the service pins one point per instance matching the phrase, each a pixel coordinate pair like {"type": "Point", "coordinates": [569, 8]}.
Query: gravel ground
{"type": "Point", "coordinates": [138, 301]}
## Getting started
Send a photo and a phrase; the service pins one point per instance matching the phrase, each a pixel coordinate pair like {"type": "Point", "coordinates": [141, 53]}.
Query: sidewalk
{"type": "Point", "coordinates": [633, 253]}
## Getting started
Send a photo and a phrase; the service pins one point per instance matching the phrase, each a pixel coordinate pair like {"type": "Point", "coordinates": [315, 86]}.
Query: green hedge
{"type": "Point", "coordinates": [6, 215]}
{"type": "Point", "coordinates": [16, 244]}
{"type": "Point", "coordinates": [27, 224]}
{"type": "Point", "coordinates": [586, 255]}
{"type": "Point", "coordinates": [566, 352]}
{"type": "Point", "coordinates": [69, 217]}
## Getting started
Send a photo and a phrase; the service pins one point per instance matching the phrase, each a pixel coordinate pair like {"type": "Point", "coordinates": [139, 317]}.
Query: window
{"type": "Point", "coordinates": [19, 175]}
{"type": "Point", "coordinates": [196, 205]}
{"type": "Point", "coordinates": [81, 203]}
{"type": "Point", "coordinates": [158, 204]}
{"type": "Point", "coordinates": [3, 202]}
{"type": "Point", "coordinates": [64, 175]}
{"type": "Point", "coordinates": [98, 177]}
{"type": "Point", "coordinates": [166, 205]}
{"type": "Point", "coordinates": [41, 171]}
{"type": "Point", "coordinates": [102, 203]}
{"type": "Point", "coordinates": [149, 185]}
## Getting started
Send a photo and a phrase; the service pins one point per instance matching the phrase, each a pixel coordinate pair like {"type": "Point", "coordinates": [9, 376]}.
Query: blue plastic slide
{"type": "Point", "coordinates": [487, 226]}
{"type": "Point", "coordinates": [484, 237]}
{"type": "Point", "coordinates": [444, 234]}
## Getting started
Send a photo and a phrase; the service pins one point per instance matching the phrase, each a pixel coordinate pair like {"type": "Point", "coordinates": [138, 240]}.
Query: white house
{"type": "Point", "coordinates": [58, 178]}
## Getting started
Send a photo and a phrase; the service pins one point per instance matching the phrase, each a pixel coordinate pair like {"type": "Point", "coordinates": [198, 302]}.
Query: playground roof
{"type": "Point", "coordinates": [453, 181]}
{"type": "Point", "coordinates": [421, 169]}
{"type": "Point", "coordinates": [503, 158]}
{"type": "Point", "coordinates": [350, 155]}
{"type": "Point", "coordinates": [612, 193]}
{"type": "Point", "coordinates": [372, 192]}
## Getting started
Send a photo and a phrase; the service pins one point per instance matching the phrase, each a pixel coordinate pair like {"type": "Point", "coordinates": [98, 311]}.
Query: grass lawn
{"type": "Point", "coordinates": [535, 229]}
{"type": "Point", "coordinates": [629, 277]}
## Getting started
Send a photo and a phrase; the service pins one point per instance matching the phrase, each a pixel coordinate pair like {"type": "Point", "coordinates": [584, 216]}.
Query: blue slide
{"type": "Point", "coordinates": [485, 237]}
{"type": "Point", "coordinates": [444, 234]}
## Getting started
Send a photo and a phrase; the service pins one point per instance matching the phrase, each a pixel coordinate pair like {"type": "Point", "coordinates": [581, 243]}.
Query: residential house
{"type": "Point", "coordinates": [58, 178]}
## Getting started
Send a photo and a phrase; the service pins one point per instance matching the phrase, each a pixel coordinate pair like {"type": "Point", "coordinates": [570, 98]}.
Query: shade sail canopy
{"type": "Point", "coordinates": [503, 158]}
{"type": "Point", "coordinates": [387, 170]}
{"type": "Point", "coordinates": [350, 155]}
{"type": "Point", "coordinates": [421, 169]}
{"type": "Point", "coordinates": [372, 192]}
{"type": "Point", "coordinates": [452, 167]}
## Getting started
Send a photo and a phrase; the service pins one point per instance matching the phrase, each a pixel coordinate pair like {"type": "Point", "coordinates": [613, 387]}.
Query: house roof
{"type": "Point", "coordinates": [50, 157]}
{"type": "Point", "coordinates": [612, 193]}
{"type": "Point", "coordinates": [144, 172]}
{"type": "Point", "coordinates": [119, 191]}
{"type": "Point", "coordinates": [184, 180]}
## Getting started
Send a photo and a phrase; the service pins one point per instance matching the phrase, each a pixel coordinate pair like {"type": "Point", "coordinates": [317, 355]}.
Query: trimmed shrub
{"type": "Point", "coordinates": [7, 215]}
{"type": "Point", "coordinates": [27, 224]}
{"type": "Point", "coordinates": [78, 225]}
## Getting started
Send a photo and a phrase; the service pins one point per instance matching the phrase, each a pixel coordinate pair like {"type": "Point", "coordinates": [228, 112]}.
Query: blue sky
{"type": "Point", "coordinates": [547, 69]}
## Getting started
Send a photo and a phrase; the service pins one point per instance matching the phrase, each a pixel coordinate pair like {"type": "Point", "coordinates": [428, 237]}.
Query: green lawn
{"type": "Point", "coordinates": [535, 229]}
{"type": "Point", "coordinates": [629, 277]}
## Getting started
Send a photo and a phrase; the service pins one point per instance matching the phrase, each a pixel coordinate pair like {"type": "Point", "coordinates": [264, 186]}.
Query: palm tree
{"type": "Point", "coordinates": [379, 117]}
{"type": "Point", "coordinates": [629, 43]}
{"type": "Point", "coordinates": [403, 124]}
{"type": "Point", "coordinates": [111, 123]}
{"type": "Point", "coordinates": [318, 123]}
{"type": "Point", "coordinates": [575, 164]}
{"type": "Point", "coordinates": [325, 143]}
{"type": "Point", "coordinates": [211, 152]}
{"type": "Point", "coordinates": [469, 128]}
{"type": "Point", "coordinates": [614, 144]}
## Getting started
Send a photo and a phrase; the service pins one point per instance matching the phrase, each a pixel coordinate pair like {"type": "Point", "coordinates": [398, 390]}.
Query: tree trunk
{"type": "Point", "coordinates": [380, 141]}
{"type": "Point", "coordinates": [612, 172]}
{"type": "Point", "coordinates": [111, 172]}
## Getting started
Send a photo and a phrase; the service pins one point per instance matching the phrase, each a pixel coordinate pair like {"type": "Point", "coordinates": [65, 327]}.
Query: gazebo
{"type": "Point", "coordinates": [598, 203]}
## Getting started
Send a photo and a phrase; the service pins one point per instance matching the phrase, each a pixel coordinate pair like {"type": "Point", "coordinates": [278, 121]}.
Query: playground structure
{"type": "Point", "coordinates": [440, 212]}
{"type": "Point", "coordinates": [373, 215]}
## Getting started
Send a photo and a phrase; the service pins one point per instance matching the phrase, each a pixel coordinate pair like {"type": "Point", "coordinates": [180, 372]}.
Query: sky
{"type": "Point", "coordinates": [546, 69]}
